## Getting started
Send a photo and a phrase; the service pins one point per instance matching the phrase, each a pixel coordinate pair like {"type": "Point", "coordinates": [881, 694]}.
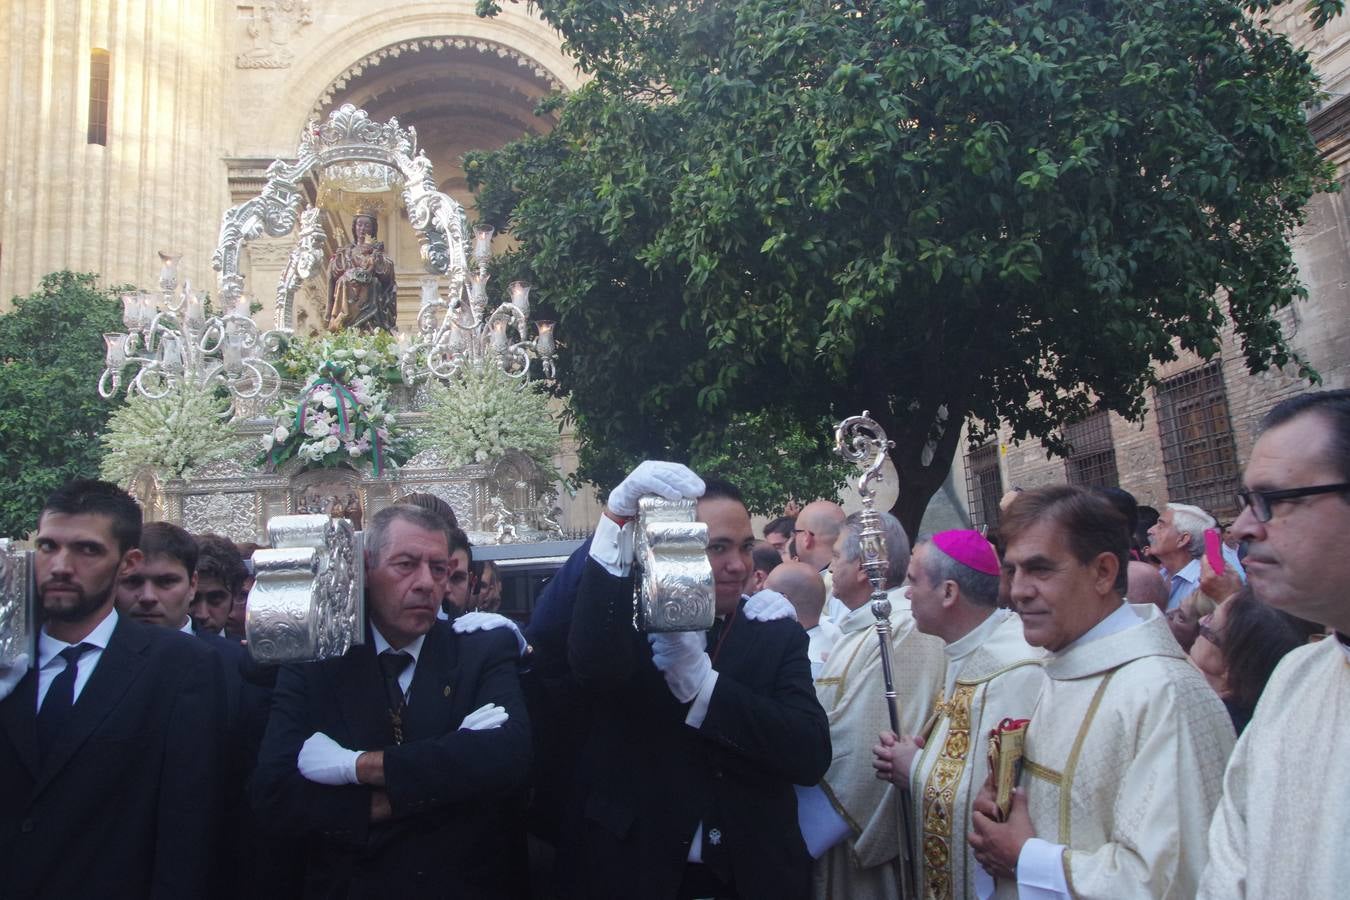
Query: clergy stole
{"type": "Point", "coordinates": [1282, 826]}
{"type": "Point", "coordinates": [999, 679]}
{"type": "Point", "coordinates": [852, 691]}
{"type": "Point", "coordinates": [1124, 761]}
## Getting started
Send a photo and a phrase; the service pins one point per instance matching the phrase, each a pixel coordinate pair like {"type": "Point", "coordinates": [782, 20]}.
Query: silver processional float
{"type": "Point", "coordinates": [861, 441]}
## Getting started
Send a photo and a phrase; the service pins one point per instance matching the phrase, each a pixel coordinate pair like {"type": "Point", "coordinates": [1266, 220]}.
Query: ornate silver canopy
{"type": "Point", "coordinates": [354, 154]}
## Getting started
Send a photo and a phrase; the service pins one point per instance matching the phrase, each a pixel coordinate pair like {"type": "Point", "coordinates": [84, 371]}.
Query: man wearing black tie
{"type": "Point", "coordinates": [685, 784]}
{"type": "Point", "coordinates": [399, 761]}
{"type": "Point", "coordinates": [108, 748]}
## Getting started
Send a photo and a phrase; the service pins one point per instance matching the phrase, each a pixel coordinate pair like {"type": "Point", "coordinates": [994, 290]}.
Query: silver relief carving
{"type": "Point", "coordinates": [270, 29]}
{"type": "Point", "coordinates": [675, 582]}
{"type": "Point", "coordinates": [234, 516]}
{"type": "Point", "coordinates": [17, 599]}
{"type": "Point", "coordinates": [308, 599]}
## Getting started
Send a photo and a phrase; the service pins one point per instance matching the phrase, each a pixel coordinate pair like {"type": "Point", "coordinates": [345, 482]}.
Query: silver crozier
{"type": "Point", "coordinates": [861, 441]}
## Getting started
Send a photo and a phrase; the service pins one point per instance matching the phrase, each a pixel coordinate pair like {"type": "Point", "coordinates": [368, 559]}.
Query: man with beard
{"type": "Point", "coordinates": [108, 748]}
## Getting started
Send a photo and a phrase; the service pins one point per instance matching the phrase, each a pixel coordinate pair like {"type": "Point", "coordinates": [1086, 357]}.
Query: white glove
{"type": "Point", "coordinates": [11, 675]}
{"type": "Point", "coordinates": [490, 715]}
{"type": "Point", "coordinates": [325, 761]}
{"type": "Point", "coordinates": [767, 605]}
{"type": "Point", "coordinates": [665, 479]}
{"type": "Point", "coordinates": [679, 656]}
{"type": "Point", "coordinates": [486, 621]}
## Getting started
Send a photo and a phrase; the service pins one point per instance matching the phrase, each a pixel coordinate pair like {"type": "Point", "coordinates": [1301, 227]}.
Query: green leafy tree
{"type": "Point", "coordinates": [942, 212]}
{"type": "Point", "coordinates": [51, 356]}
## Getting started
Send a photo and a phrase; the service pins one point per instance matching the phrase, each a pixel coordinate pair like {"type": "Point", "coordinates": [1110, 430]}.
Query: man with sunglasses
{"type": "Point", "coordinates": [1279, 826]}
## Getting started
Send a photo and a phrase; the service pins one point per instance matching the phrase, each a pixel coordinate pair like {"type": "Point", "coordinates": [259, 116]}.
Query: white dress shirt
{"type": "Point", "coordinates": [51, 663]}
{"type": "Point", "coordinates": [413, 649]}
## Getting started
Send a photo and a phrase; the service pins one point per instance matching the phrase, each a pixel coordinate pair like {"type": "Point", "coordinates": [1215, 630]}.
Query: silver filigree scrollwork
{"type": "Point", "coordinates": [304, 256]}
{"type": "Point", "coordinates": [273, 212]}
{"type": "Point", "coordinates": [17, 595]}
{"type": "Point", "coordinates": [862, 441]}
{"type": "Point", "coordinates": [675, 585]}
{"type": "Point", "coordinates": [308, 599]}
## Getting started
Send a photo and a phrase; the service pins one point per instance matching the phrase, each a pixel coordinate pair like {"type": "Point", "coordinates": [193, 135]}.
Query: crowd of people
{"type": "Point", "coordinates": [1089, 704]}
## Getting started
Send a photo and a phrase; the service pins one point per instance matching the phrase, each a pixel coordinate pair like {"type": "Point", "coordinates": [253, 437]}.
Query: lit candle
{"type": "Point", "coordinates": [131, 310]}
{"type": "Point", "coordinates": [116, 353]}
{"type": "Point", "coordinates": [544, 342]}
{"type": "Point", "coordinates": [520, 297]}
{"type": "Point", "coordinates": [499, 338]}
{"type": "Point", "coordinates": [233, 353]}
{"type": "Point", "coordinates": [482, 242]}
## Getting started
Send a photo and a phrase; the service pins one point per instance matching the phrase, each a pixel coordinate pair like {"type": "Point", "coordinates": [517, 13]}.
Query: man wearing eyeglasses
{"type": "Point", "coordinates": [1281, 825]}
{"type": "Point", "coordinates": [399, 761]}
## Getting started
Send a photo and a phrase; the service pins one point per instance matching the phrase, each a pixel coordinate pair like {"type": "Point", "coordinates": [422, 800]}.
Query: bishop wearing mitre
{"type": "Point", "coordinates": [1126, 750]}
{"type": "Point", "coordinates": [850, 820]}
{"type": "Point", "coordinates": [993, 675]}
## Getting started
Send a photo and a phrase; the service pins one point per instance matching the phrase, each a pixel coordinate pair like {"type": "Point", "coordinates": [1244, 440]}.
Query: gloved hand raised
{"type": "Point", "coordinates": [486, 621]}
{"type": "Point", "coordinates": [767, 605]}
{"type": "Point", "coordinates": [680, 657]}
{"type": "Point", "coordinates": [665, 479]}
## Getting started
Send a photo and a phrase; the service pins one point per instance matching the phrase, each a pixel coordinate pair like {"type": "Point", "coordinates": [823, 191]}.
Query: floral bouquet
{"type": "Point", "coordinates": [338, 419]}
{"type": "Point", "coordinates": [357, 353]}
{"type": "Point", "coordinates": [481, 412]}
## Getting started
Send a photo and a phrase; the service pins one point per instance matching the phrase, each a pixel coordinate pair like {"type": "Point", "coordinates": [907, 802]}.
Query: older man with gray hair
{"type": "Point", "coordinates": [850, 818]}
{"type": "Point", "coordinates": [1177, 539]}
{"type": "Point", "coordinates": [398, 762]}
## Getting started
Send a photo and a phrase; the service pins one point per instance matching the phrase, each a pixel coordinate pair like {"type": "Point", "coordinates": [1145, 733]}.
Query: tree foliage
{"type": "Point", "coordinates": [51, 356]}
{"type": "Point", "coordinates": [943, 212]}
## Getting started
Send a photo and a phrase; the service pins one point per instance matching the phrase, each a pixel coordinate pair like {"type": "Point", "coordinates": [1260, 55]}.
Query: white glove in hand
{"type": "Point", "coordinates": [11, 675]}
{"type": "Point", "coordinates": [680, 658]}
{"type": "Point", "coordinates": [486, 621]}
{"type": "Point", "coordinates": [325, 761]}
{"type": "Point", "coordinates": [488, 716]}
{"type": "Point", "coordinates": [767, 605]}
{"type": "Point", "coordinates": [665, 479]}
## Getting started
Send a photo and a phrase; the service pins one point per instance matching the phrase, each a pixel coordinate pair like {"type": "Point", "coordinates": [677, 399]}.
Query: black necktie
{"type": "Point", "coordinates": [56, 706]}
{"type": "Point", "coordinates": [392, 664]}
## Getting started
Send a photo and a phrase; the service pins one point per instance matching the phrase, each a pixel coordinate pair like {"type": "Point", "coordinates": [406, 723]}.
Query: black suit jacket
{"type": "Point", "coordinates": [456, 830]}
{"type": "Point", "coordinates": [126, 803]}
{"type": "Point", "coordinates": [648, 779]}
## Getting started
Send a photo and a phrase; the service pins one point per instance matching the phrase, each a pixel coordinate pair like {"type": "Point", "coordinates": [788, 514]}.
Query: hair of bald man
{"type": "Point", "coordinates": [897, 545]}
{"type": "Point", "coordinates": [822, 518]}
{"type": "Point", "coordinates": [803, 587]}
{"type": "Point", "coordinates": [1145, 585]}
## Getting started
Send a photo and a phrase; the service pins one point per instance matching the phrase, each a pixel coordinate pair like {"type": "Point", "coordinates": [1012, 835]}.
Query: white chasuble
{"type": "Point", "coordinates": [1123, 764]}
{"type": "Point", "coordinates": [994, 674]}
{"type": "Point", "coordinates": [852, 690]}
{"type": "Point", "coordinates": [1283, 826]}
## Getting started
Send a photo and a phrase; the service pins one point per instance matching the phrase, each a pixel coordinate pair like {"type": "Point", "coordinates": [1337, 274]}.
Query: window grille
{"type": "Point", "coordinates": [1092, 455]}
{"type": "Point", "coordinates": [99, 66]}
{"type": "Point", "coordinates": [984, 486]}
{"type": "Point", "coordinates": [1199, 455]}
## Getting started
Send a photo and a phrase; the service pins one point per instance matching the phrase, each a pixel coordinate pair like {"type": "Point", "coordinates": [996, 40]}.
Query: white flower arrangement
{"type": "Point", "coordinates": [174, 435]}
{"type": "Point", "coordinates": [335, 421]}
{"type": "Point", "coordinates": [479, 414]}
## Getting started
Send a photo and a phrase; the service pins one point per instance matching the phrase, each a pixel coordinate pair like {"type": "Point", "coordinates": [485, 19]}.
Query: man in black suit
{"type": "Point", "coordinates": [108, 748]}
{"type": "Point", "coordinates": [695, 741]}
{"type": "Point", "coordinates": [441, 734]}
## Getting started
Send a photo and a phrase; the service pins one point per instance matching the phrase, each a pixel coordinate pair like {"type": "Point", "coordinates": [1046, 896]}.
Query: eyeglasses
{"type": "Point", "coordinates": [1260, 501]}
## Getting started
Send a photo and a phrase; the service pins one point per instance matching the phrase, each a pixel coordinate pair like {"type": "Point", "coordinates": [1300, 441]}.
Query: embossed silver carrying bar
{"type": "Point", "coordinates": [18, 625]}
{"type": "Point", "coordinates": [308, 599]}
{"type": "Point", "coordinates": [675, 582]}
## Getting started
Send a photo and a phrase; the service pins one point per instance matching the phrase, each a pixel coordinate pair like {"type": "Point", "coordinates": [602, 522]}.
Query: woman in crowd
{"type": "Point", "coordinates": [1185, 619]}
{"type": "Point", "coordinates": [1238, 647]}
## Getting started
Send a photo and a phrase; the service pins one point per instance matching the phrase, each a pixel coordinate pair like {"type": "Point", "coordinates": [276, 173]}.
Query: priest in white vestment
{"type": "Point", "coordinates": [1127, 744]}
{"type": "Point", "coordinates": [1282, 827]}
{"type": "Point", "coordinates": [862, 813]}
{"type": "Point", "coordinates": [992, 674]}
